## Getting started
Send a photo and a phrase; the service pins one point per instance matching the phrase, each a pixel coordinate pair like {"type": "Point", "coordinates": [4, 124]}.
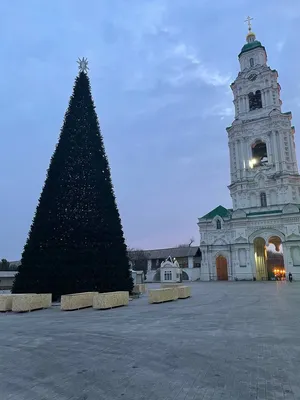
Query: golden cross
{"type": "Point", "coordinates": [248, 19]}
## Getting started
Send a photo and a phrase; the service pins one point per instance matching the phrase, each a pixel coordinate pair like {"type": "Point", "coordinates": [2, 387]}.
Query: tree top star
{"type": "Point", "coordinates": [83, 64]}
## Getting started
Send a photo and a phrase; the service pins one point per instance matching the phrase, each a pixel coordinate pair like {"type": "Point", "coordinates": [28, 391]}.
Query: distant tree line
{"type": "Point", "coordinates": [7, 266]}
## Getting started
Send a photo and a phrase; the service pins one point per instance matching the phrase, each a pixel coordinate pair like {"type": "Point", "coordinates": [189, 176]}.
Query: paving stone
{"type": "Point", "coordinates": [230, 340]}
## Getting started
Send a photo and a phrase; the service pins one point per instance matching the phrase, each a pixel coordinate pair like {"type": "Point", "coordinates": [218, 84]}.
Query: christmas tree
{"type": "Point", "coordinates": [76, 240]}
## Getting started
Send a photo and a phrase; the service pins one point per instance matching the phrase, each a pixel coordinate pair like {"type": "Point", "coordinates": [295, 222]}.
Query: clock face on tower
{"type": "Point", "coordinates": [252, 77]}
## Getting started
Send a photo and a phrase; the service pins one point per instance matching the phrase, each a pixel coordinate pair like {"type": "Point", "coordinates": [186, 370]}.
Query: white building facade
{"type": "Point", "coordinates": [170, 271]}
{"type": "Point", "coordinates": [265, 181]}
{"type": "Point", "coordinates": [188, 258]}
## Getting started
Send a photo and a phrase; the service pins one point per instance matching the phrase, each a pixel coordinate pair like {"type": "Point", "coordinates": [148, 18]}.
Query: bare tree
{"type": "Point", "coordinates": [139, 259]}
{"type": "Point", "coordinates": [191, 241]}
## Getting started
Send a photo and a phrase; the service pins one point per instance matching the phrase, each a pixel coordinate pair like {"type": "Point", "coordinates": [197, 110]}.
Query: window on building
{"type": "Point", "coordinates": [263, 199]}
{"type": "Point", "coordinates": [255, 101]}
{"type": "Point", "coordinates": [183, 262]}
{"type": "Point", "coordinates": [219, 226]}
{"type": "Point", "coordinates": [168, 275]}
{"type": "Point", "coordinates": [251, 62]}
{"type": "Point", "coordinates": [259, 154]}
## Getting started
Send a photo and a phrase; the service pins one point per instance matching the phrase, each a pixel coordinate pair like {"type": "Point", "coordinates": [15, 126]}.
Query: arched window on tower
{"type": "Point", "coordinates": [255, 101]}
{"type": "Point", "coordinates": [263, 199]}
{"type": "Point", "coordinates": [259, 154]}
{"type": "Point", "coordinates": [219, 224]}
{"type": "Point", "coordinates": [251, 62]}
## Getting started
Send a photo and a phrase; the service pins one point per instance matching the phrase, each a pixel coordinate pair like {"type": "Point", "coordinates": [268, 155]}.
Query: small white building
{"type": "Point", "coordinates": [170, 271]}
{"type": "Point", "coordinates": [137, 277]}
{"type": "Point", "coordinates": [264, 181]}
{"type": "Point", "coordinates": [188, 258]}
{"type": "Point", "coordinates": [7, 279]}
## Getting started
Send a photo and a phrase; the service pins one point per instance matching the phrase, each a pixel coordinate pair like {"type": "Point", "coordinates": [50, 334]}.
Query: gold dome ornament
{"type": "Point", "coordinates": [83, 64]}
{"type": "Point", "coordinates": [251, 34]}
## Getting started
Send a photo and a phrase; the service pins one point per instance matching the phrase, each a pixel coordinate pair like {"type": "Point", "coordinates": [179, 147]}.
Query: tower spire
{"type": "Point", "coordinates": [248, 20]}
{"type": "Point", "coordinates": [251, 36]}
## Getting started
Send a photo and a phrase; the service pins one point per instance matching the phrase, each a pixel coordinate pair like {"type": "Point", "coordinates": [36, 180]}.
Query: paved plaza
{"type": "Point", "coordinates": [238, 340]}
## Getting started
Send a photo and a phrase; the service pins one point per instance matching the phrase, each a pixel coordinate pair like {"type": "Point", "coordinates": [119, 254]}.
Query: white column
{"type": "Point", "coordinates": [287, 259]}
{"type": "Point", "coordinates": [263, 98]}
{"type": "Point", "coordinates": [270, 101]}
{"type": "Point", "coordinates": [275, 150]}
{"type": "Point", "coordinates": [269, 145]}
{"type": "Point", "coordinates": [240, 105]}
{"type": "Point", "coordinates": [267, 97]}
{"type": "Point", "coordinates": [248, 260]}
{"type": "Point", "coordinates": [282, 150]}
{"type": "Point", "coordinates": [245, 160]}
{"type": "Point", "coordinates": [246, 152]}
{"type": "Point", "coordinates": [246, 103]}
{"type": "Point", "coordinates": [252, 260]}
{"type": "Point", "coordinates": [205, 264]}
{"type": "Point", "coordinates": [232, 172]}
{"type": "Point", "coordinates": [232, 259]}
{"type": "Point", "coordinates": [292, 152]}
{"type": "Point", "coordinates": [279, 150]}
{"type": "Point", "coordinates": [238, 159]}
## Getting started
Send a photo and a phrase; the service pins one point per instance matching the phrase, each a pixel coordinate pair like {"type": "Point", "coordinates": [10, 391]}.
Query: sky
{"type": "Point", "coordinates": [160, 72]}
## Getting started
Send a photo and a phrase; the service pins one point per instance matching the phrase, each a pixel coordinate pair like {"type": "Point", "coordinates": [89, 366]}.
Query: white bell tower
{"type": "Point", "coordinates": [263, 164]}
{"type": "Point", "coordinates": [265, 183]}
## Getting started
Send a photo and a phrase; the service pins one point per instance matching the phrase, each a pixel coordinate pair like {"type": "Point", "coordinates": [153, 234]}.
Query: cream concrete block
{"type": "Point", "coordinates": [184, 292]}
{"type": "Point", "coordinates": [103, 301]}
{"type": "Point", "coordinates": [75, 301]}
{"type": "Point", "coordinates": [170, 285]}
{"type": "Point", "coordinates": [139, 288]}
{"type": "Point", "coordinates": [6, 302]}
{"type": "Point", "coordinates": [162, 295]}
{"type": "Point", "coordinates": [31, 301]}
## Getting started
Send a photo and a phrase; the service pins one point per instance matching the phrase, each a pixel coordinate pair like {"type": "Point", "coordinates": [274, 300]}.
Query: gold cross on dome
{"type": "Point", "coordinates": [249, 19]}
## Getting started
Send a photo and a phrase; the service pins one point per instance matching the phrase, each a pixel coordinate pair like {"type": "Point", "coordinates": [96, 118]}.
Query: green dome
{"type": "Point", "coordinates": [251, 46]}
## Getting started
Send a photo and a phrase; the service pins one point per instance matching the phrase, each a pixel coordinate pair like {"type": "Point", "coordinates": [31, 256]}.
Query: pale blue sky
{"type": "Point", "coordinates": [160, 72]}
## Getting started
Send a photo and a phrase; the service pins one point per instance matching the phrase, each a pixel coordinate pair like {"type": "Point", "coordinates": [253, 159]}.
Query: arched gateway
{"type": "Point", "coordinates": [269, 260]}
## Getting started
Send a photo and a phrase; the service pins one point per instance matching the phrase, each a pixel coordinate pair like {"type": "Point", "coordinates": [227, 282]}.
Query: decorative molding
{"type": "Point", "coordinates": [266, 233]}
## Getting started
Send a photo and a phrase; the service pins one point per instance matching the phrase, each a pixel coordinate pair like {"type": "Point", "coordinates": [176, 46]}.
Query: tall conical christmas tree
{"type": "Point", "coordinates": [76, 240]}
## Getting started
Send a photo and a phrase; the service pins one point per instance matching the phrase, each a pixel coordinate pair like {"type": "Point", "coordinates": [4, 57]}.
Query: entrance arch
{"type": "Point", "coordinates": [221, 268]}
{"type": "Point", "coordinates": [269, 258]}
{"type": "Point", "coordinates": [267, 251]}
{"type": "Point", "coordinates": [185, 276]}
{"type": "Point", "coordinates": [275, 260]}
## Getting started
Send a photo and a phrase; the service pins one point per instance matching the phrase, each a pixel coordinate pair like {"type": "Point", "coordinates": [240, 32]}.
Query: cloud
{"type": "Point", "coordinates": [280, 45]}
{"type": "Point", "coordinates": [186, 160]}
{"type": "Point", "coordinates": [193, 69]}
{"type": "Point", "coordinates": [288, 10]}
{"type": "Point", "coordinates": [221, 110]}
